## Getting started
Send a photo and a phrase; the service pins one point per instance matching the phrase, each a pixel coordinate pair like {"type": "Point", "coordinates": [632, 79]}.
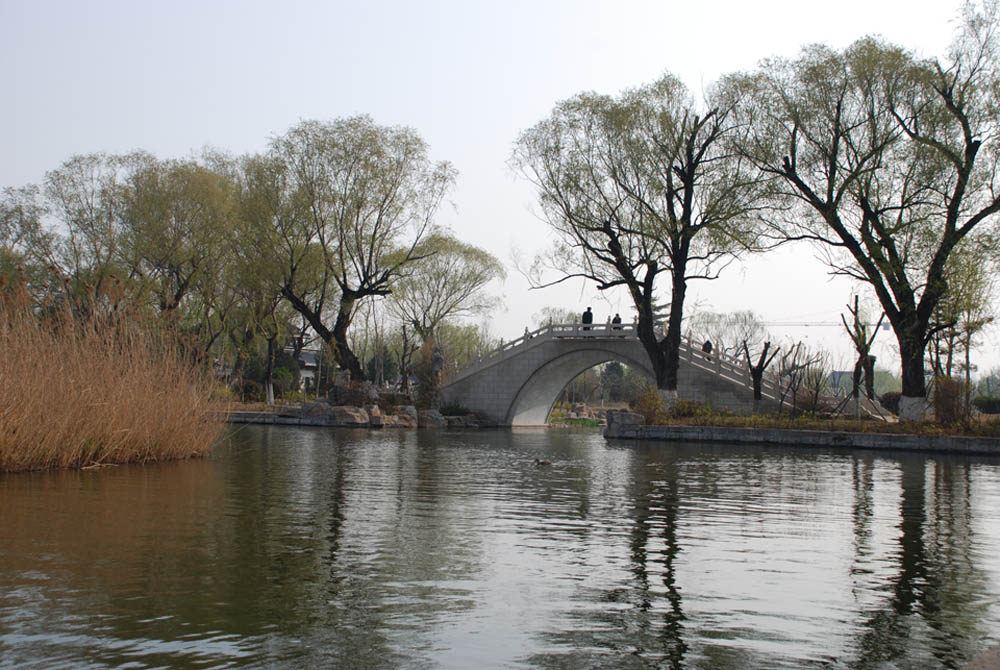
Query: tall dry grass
{"type": "Point", "coordinates": [81, 391]}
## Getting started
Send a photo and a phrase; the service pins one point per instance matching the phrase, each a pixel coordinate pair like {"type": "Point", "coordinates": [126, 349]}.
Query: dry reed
{"type": "Point", "coordinates": [78, 392]}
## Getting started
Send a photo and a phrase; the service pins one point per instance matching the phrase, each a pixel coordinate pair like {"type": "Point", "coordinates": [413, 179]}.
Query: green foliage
{"type": "Point", "coordinates": [283, 380]}
{"type": "Point", "coordinates": [886, 381]}
{"type": "Point", "coordinates": [461, 344]}
{"type": "Point", "coordinates": [612, 381]}
{"type": "Point", "coordinates": [585, 423]}
{"type": "Point", "coordinates": [987, 404]}
{"type": "Point", "coordinates": [893, 207]}
{"type": "Point", "coordinates": [428, 373]}
{"type": "Point", "coordinates": [284, 376]}
{"type": "Point", "coordinates": [449, 281]}
{"type": "Point", "coordinates": [297, 396]}
{"type": "Point", "coordinates": [223, 394]}
{"type": "Point", "coordinates": [687, 409]}
{"type": "Point", "coordinates": [251, 391]}
{"type": "Point", "coordinates": [582, 388]}
{"type": "Point", "coordinates": [596, 162]}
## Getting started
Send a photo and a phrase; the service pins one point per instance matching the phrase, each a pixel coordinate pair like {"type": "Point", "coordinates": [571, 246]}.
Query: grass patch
{"type": "Point", "coordinates": [97, 390]}
{"type": "Point", "coordinates": [686, 413]}
{"type": "Point", "coordinates": [972, 428]}
{"type": "Point", "coordinates": [588, 423]}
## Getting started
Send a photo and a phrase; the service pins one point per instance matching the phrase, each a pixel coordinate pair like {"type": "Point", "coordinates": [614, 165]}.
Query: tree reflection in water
{"type": "Point", "coordinates": [932, 589]}
{"type": "Point", "coordinates": [366, 549]}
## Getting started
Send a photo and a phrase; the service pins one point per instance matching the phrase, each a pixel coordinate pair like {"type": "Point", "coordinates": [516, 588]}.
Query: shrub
{"type": "Point", "coordinates": [687, 409]}
{"type": "Point", "coordinates": [355, 394]}
{"type": "Point", "coordinates": [890, 401]}
{"type": "Point", "coordinates": [650, 405]}
{"type": "Point", "coordinates": [282, 381]}
{"type": "Point", "coordinates": [454, 409]}
{"type": "Point", "coordinates": [987, 404]}
{"type": "Point", "coordinates": [296, 396]}
{"type": "Point", "coordinates": [948, 396]}
{"type": "Point", "coordinates": [251, 391]}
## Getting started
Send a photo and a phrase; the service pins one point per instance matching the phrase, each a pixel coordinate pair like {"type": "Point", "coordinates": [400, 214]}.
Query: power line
{"type": "Point", "coordinates": [816, 324]}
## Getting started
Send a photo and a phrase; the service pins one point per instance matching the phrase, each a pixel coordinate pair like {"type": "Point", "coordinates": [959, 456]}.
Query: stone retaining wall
{"type": "Point", "coordinates": [626, 425]}
{"type": "Point", "coordinates": [337, 416]}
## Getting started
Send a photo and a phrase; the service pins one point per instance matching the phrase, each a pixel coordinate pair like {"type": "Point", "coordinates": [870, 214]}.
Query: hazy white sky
{"type": "Point", "coordinates": [173, 77]}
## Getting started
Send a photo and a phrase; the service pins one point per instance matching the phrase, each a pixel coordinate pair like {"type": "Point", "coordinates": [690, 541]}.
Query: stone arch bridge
{"type": "Point", "coordinates": [518, 383]}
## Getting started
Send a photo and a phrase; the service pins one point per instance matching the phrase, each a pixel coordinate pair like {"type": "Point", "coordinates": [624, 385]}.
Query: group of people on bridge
{"type": "Point", "coordinates": [588, 318]}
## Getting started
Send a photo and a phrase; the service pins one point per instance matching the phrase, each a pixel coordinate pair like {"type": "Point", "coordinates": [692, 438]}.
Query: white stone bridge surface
{"type": "Point", "coordinates": [518, 383]}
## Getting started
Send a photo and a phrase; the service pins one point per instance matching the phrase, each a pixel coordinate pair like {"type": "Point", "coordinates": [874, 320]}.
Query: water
{"type": "Point", "coordinates": [294, 548]}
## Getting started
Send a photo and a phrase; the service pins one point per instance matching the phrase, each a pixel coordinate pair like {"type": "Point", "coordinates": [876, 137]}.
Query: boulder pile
{"type": "Point", "coordinates": [324, 413]}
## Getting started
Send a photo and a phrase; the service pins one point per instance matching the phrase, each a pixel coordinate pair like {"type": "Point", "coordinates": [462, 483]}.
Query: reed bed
{"type": "Point", "coordinates": [78, 392]}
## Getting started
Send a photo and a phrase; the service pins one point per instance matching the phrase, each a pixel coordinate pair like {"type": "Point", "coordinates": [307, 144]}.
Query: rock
{"type": "Point", "coordinates": [400, 421]}
{"type": "Point", "coordinates": [344, 392]}
{"type": "Point", "coordinates": [463, 421]}
{"type": "Point", "coordinates": [405, 410]}
{"type": "Point", "coordinates": [375, 417]}
{"type": "Point", "coordinates": [349, 416]}
{"type": "Point", "coordinates": [431, 418]}
{"type": "Point", "coordinates": [624, 418]}
{"type": "Point", "coordinates": [314, 409]}
{"type": "Point", "coordinates": [369, 391]}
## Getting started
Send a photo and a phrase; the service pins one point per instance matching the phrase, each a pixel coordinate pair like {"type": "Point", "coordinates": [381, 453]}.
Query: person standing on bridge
{"type": "Point", "coordinates": [588, 318]}
{"type": "Point", "coordinates": [616, 323]}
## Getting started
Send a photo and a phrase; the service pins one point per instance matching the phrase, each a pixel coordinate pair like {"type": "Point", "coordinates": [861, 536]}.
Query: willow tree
{"type": "Point", "coordinates": [887, 162]}
{"type": "Point", "coordinates": [176, 219]}
{"type": "Point", "coordinates": [26, 247]}
{"type": "Point", "coordinates": [640, 186]}
{"type": "Point", "coordinates": [364, 197]}
{"type": "Point", "coordinates": [449, 282]}
{"type": "Point", "coordinates": [84, 197]}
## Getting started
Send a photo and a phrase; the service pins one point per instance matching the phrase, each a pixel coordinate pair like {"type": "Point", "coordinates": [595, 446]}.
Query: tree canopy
{"type": "Point", "coordinates": [638, 186]}
{"type": "Point", "coordinates": [886, 161]}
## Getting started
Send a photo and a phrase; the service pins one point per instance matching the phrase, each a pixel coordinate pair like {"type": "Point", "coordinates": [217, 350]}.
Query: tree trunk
{"type": "Point", "coordinates": [646, 332]}
{"type": "Point", "coordinates": [757, 377]}
{"type": "Point", "coordinates": [870, 377]}
{"type": "Point", "coordinates": [345, 357]}
{"type": "Point", "coordinates": [268, 370]}
{"type": "Point", "coordinates": [336, 338]}
{"type": "Point", "coordinates": [671, 344]}
{"type": "Point", "coordinates": [913, 400]}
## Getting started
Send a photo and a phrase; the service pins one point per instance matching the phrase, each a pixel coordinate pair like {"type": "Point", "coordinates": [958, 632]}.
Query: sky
{"type": "Point", "coordinates": [175, 77]}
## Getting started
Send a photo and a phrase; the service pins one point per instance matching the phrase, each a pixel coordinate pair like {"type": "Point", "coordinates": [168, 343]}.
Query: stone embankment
{"type": "Point", "coordinates": [627, 425]}
{"type": "Point", "coordinates": [345, 416]}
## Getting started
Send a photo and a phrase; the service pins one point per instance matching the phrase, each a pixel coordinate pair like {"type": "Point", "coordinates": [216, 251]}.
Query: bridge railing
{"type": "Point", "coordinates": [726, 366]}
{"type": "Point", "coordinates": [547, 332]}
{"type": "Point", "coordinates": [722, 364]}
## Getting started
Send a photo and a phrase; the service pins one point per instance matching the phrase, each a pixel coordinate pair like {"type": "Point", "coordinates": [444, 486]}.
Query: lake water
{"type": "Point", "coordinates": [300, 548]}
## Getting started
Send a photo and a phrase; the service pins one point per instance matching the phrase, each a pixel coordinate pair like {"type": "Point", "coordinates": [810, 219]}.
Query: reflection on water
{"type": "Point", "coordinates": [307, 547]}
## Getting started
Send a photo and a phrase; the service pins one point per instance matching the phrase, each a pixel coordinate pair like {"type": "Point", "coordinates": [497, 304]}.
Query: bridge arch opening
{"type": "Point", "coordinates": [536, 397]}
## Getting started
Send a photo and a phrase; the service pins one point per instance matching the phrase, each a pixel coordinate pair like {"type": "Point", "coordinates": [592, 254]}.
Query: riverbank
{"type": "Point", "coordinates": [626, 425]}
{"type": "Point", "coordinates": [324, 415]}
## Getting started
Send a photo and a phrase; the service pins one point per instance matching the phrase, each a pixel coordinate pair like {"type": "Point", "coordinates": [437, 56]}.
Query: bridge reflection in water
{"type": "Point", "coordinates": [303, 547]}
